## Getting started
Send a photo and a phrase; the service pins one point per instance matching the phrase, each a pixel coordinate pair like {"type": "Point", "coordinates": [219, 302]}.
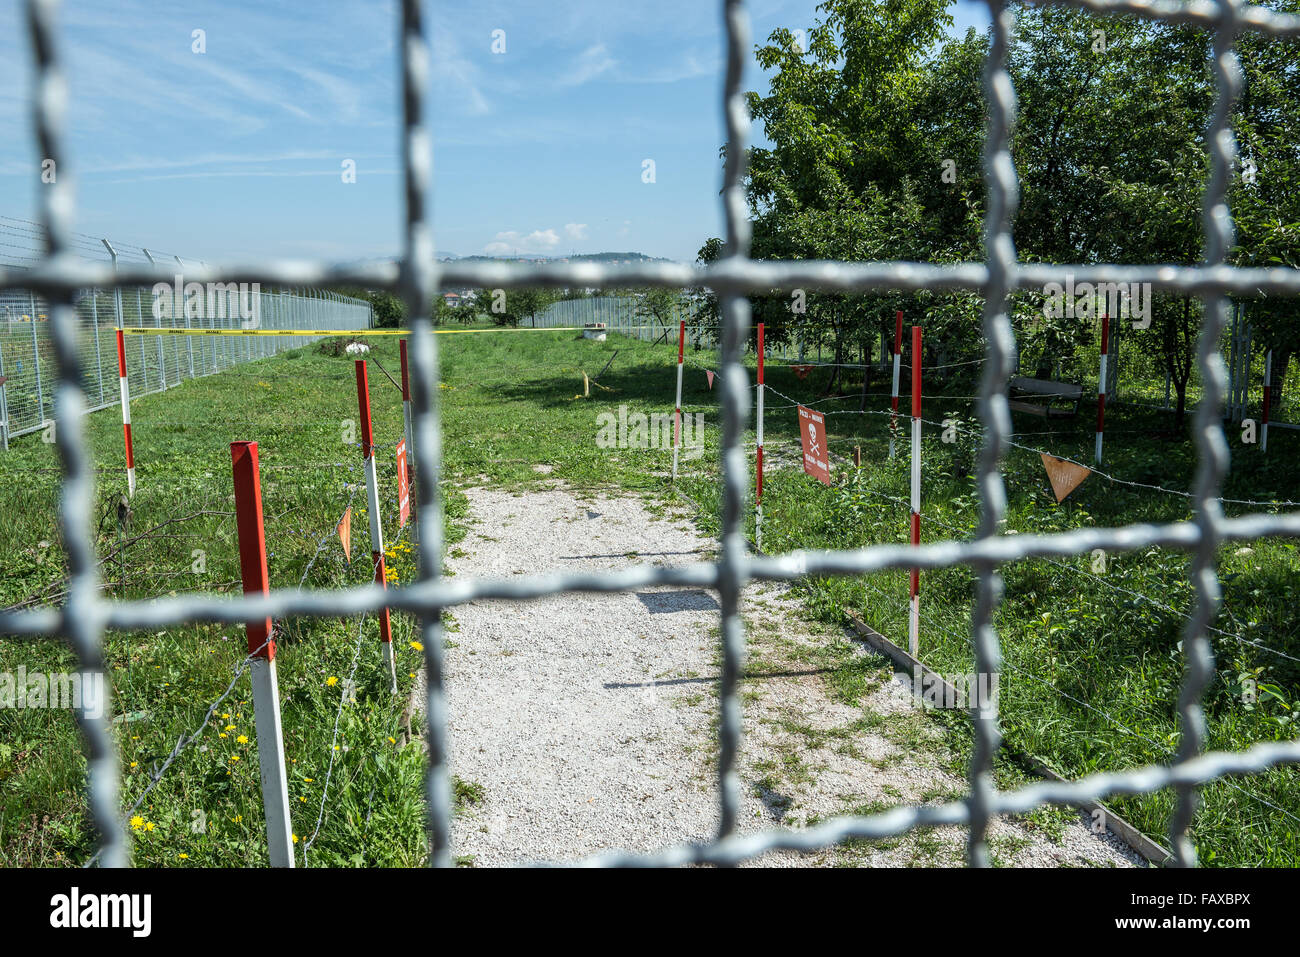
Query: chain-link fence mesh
{"type": "Point", "coordinates": [84, 616]}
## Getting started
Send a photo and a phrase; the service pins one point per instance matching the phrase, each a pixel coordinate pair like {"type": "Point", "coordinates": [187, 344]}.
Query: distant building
{"type": "Point", "coordinates": [451, 299]}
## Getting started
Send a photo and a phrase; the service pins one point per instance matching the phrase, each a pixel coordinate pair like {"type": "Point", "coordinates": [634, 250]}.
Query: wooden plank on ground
{"type": "Point", "coordinates": [1126, 832]}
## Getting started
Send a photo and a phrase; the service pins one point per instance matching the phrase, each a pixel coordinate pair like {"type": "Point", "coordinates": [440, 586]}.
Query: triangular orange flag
{"type": "Point", "coordinates": [345, 533]}
{"type": "Point", "coordinates": [1065, 476]}
{"type": "Point", "coordinates": [709, 373]}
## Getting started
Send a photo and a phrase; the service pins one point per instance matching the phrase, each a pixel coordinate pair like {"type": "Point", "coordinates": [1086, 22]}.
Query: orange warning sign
{"type": "Point", "coordinates": [1064, 476]}
{"type": "Point", "coordinates": [816, 457]}
{"type": "Point", "coordinates": [345, 533]}
{"type": "Point", "coordinates": [403, 487]}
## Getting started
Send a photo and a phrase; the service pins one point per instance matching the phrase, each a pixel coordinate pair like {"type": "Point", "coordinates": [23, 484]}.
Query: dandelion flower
{"type": "Point", "coordinates": [183, 857]}
{"type": "Point", "coordinates": [137, 822]}
{"type": "Point", "coordinates": [149, 826]}
{"type": "Point", "coordinates": [331, 681]}
{"type": "Point", "coordinates": [417, 646]}
{"type": "Point", "coordinates": [135, 764]}
{"type": "Point", "coordinates": [242, 739]}
{"type": "Point", "coordinates": [234, 757]}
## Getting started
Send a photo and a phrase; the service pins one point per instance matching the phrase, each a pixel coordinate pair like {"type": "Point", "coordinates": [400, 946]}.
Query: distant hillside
{"type": "Point", "coordinates": [617, 258]}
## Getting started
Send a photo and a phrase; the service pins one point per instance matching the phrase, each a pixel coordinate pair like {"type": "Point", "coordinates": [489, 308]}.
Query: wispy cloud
{"type": "Point", "coordinates": [538, 241]}
{"type": "Point", "coordinates": [587, 65]}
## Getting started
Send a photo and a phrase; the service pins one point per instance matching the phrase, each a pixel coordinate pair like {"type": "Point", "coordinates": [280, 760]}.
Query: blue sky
{"type": "Point", "coordinates": [237, 153]}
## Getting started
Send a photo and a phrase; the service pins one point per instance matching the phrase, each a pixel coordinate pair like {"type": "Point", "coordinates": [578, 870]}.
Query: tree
{"type": "Point", "coordinates": [659, 305]}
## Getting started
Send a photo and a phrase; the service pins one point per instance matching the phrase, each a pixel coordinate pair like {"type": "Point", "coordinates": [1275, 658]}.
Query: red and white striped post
{"type": "Point", "coordinates": [126, 412]}
{"type": "Point", "coordinates": [261, 647]}
{"type": "Point", "coordinates": [898, 359]}
{"type": "Point", "coordinates": [1101, 384]}
{"type": "Point", "coordinates": [914, 629]}
{"type": "Point", "coordinates": [376, 527]}
{"type": "Point", "coordinates": [1268, 399]}
{"type": "Point", "coordinates": [758, 477]}
{"type": "Point", "coordinates": [677, 415]}
{"type": "Point", "coordinates": [406, 416]}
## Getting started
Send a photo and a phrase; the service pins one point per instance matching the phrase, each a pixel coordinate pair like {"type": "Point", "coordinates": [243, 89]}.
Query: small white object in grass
{"type": "Point", "coordinates": [1245, 551]}
{"type": "Point", "coordinates": [357, 348]}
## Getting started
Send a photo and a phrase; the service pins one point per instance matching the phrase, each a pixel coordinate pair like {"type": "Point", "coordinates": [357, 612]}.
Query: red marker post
{"type": "Point", "coordinates": [261, 647]}
{"type": "Point", "coordinates": [758, 477]}
{"type": "Point", "coordinates": [376, 527]}
{"type": "Point", "coordinates": [1101, 384]}
{"type": "Point", "coordinates": [898, 359]}
{"type": "Point", "coordinates": [914, 631]}
{"type": "Point", "coordinates": [677, 415]}
{"type": "Point", "coordinates": [126, 412]}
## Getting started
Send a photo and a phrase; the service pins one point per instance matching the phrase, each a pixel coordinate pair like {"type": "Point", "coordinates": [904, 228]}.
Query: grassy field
{"type": "Point", "coordinates": [1092, 666]}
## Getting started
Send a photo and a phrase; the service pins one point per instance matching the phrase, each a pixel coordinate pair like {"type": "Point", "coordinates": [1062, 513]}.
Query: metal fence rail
{"type": "Point", "coordinates": [154, 363]}
{"type": "Point", "coordinates": [84, 616]}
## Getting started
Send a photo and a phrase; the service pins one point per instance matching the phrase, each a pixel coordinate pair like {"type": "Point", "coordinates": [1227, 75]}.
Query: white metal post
{"type": "Point", "coordinates": [898, 359]}
{"type": "Point", "coordinates": [677, 416]}
{"type": "Point", "coordinates": [914, 629]}
{"type": "Point", "coordinates": [4, 404]}
{"type": "Point", "coordinates": [758, 478]}
{"type": "Point", "coordinates": [1268, 399]}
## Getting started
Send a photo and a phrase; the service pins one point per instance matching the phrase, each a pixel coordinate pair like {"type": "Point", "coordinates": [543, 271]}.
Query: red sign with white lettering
{"type": "Point", "coordinates": [816, 457]}
{"type": "Point", "coordinates": [403, 487]}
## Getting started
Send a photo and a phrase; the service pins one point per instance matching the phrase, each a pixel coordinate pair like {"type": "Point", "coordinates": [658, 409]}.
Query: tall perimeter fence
{"type": "Point", "coordinates": [28, 372]}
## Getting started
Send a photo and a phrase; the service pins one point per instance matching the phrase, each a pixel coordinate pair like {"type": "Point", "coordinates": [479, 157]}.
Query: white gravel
{"type": "Point", "coordinates": [588, 721]}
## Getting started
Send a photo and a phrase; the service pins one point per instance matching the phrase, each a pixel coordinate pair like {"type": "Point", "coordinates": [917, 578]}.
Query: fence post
{"type": "Point", "coordinates": [1268, 399]}
{"type": "Point", "coordinates": [898, 359]}
{"type": "Point", "coordinates": [1101, 384]}
{"type": "Point", "coordinates": [126, 412]}
{"type": "Point", "coordinates": [36, 361]}
{"type": "Point", "coordinates": [914, 630]}
{"type": "Point", "coordinates": [4, 403]}
{"type": "Point", "coordinates": [266, 692]}
{"type": "Point", "coordinates": [758, 478]}
{"type": "Point", "coordinates": [376, 527]}
{"type": "Point", "coordinates": [677, 416]}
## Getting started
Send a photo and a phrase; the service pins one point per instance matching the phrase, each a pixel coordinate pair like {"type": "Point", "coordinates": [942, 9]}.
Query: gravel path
{"type": "Point", "coordinates": [586, 723]}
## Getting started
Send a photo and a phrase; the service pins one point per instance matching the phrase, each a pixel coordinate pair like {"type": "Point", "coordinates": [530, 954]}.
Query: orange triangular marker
{"type": "Point", "coordinates": [709, 373]}
{"type": "Point", "coordinates": [1065, 476]}
{"type": "Point", "coordinates": [345, 533]}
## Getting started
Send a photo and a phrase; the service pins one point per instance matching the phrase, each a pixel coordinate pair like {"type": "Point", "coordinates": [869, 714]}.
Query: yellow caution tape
{"type": "Point", "coordinates": [326, 333]}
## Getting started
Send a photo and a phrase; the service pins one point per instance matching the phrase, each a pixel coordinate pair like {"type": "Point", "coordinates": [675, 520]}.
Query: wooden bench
{"type": "Point", "coordinates": [1051, 392]}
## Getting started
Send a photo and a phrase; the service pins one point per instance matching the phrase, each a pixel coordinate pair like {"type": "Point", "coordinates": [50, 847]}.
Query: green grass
{"type": "Point", "coordinates": [508, 406]}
